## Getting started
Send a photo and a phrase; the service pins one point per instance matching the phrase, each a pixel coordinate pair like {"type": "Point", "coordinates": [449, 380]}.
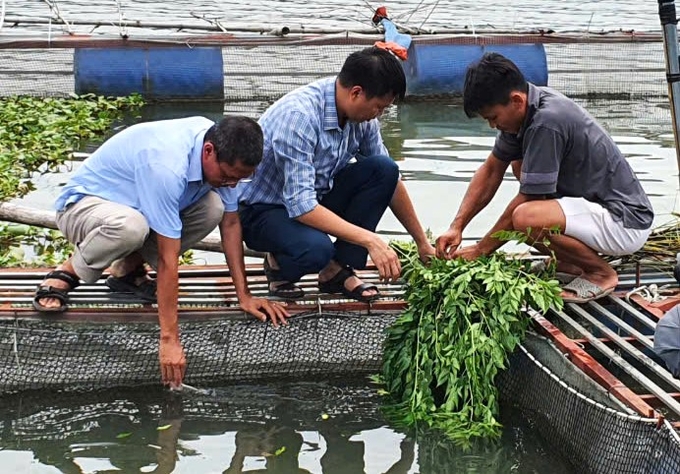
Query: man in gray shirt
{"type": "Point", "coordinates": [572, 177]}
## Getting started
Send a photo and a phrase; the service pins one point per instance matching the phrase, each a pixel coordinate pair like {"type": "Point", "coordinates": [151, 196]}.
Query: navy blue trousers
{"type": "Point", "coordinates": [361, 193]}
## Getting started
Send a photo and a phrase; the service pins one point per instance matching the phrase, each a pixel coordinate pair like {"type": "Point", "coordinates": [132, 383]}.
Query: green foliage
{"type": "Point", "coordinates": [27, 246]}
{"type": "Point", "coordinates": [443, 353]}
{"type": "Point", "coordinates": [23, 246]}
{"type": "Point", "coordinates": [39, 134]}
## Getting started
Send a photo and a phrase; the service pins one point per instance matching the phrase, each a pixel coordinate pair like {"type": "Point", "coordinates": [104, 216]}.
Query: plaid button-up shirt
{"type": "Point", "coordinates": [304, 148]}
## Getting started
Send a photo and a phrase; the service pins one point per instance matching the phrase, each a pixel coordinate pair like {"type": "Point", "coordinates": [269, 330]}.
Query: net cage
{"type": "Point", "coordinates": [591, 430]}
{"type": "Point", "coordinates": [85, 355]}
{"type": "Point", "coordinates": [622, 72]}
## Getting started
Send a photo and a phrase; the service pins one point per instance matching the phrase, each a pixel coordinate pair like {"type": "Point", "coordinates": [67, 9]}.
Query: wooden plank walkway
{"type": "Point", "coordinates": [611, 340]}
{"type": "Point", "coordinates": [204, 291]}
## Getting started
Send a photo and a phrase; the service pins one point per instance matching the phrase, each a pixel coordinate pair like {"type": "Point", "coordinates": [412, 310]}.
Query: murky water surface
{"type": "Point", "coordinates": [301, 427]}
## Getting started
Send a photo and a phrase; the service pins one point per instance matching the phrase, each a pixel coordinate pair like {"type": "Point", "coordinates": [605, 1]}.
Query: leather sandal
{"type": "Point", "coordinates": [337, 285]}
{"type": "Point", "coordinates": [48, 291]}
{"type": "Point", "coordinates": [278, 287]}
{"type": "Point", "coordinates": [126, 284]}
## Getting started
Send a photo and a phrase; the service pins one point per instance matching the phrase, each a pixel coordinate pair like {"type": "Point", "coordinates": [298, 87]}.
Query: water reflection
{"type": "Point", "coordinates": [325, 428]}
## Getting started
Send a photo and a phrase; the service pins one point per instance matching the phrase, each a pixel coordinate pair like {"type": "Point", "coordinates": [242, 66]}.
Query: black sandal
{"type": "Point", "coordinates": [61, 294]}
{"type": "Point", "coordinates": [285, 289]}
{"type": "Point", "coordinates": [126, 284]}
{"type": "Point", "coordinates": [337, 285]}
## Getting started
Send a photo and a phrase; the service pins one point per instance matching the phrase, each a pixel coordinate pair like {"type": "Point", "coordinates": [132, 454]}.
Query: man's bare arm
{"type": "Point", "coordinates": [403, 210]}
{"type": "Point", "coordinates": [171, 352]}
{"type": "Point", "coordinates": [384, 258]}
{"type": "Point", "coordinates": [480, 191]}
{"type": "Point", "coordinates": [232, 245]}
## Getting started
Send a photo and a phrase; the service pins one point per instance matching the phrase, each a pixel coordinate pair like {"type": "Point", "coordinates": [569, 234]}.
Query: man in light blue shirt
{"type": "Point", "coordinates": [325, 171]}
{"type": "Point", "coordinates": [147, 195]}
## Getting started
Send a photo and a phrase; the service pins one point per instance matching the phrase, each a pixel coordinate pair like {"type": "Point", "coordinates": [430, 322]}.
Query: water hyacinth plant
{"type": "Point", "coordinates": [38, 135]}
{"type": "Point", "coordinates": [464, 318]}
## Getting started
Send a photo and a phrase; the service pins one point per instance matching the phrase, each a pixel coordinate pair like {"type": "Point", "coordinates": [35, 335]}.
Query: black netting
{"type": "Point", "coordinates": [595, 438]}
{"type": "Point", "coordinates": [619, 81]}
{"type": "Point", "coordinates": [610, 70]}
{"type": "Point", "coordinates": [38, 72]}
{"type": "Point", "coordinates": [49, 416]}
{"type": "Point", "coordinates": [68, 355]}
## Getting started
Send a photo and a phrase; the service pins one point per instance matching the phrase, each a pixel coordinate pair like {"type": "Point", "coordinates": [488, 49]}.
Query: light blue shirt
{"type": "Point", "coordinates": [304, 148]}
{"type": "Point", "coordinates": [153, 167]}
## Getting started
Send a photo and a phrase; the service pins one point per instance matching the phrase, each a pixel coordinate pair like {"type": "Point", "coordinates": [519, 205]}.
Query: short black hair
{"type": "Point", "coordinates": [376, 70]}
{"type": "Point", "coordinates": [489, 82]}
{"type": "Point", "coordinates": [236, 138]}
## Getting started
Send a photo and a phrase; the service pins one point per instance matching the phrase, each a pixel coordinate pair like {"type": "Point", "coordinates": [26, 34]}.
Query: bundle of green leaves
{"type": "Point", "coordinates": [464, 318]}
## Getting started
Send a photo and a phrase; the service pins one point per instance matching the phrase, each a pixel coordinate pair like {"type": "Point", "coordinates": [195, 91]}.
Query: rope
{"type": "Point", "coordinates": [54, 8]}
{"type": "Point", "coordinates": [212, 21]}
{"type": "Point", "coordinates": [122, 28]}
{"type": "Point", "coordinates": [650, 293]}
{"type": "Point", "coordinates": [413, 11]}
{"type": "Point", "coordinates": [2, 14]}
{"type": "Point", "coordinates": [429, 14]}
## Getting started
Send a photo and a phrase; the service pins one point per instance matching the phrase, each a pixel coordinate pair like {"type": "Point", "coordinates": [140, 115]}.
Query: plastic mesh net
{"type": "Point", "coordinates": [594, 436]}
{"type": "Point", "coordinates": [68, 355]}
{"type": "Point", "coordinates": [616, 68]}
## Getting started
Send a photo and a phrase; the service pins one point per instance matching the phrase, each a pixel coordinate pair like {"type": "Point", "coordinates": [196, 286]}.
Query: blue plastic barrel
{"type": "Point", "coordinates": [156, 73]}
{"type": "Point", "coordinates": [439, 69]}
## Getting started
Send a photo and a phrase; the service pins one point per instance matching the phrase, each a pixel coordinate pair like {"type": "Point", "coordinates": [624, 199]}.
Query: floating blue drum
{"type": "Point", "coordinates": [439, 69]}
{"type": "Point", "coordinates": [155, 73]}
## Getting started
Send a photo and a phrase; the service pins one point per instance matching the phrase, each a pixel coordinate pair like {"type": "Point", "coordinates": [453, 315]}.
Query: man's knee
{"type": "Point", "coordinates": [539, 214]}
{"type": "Point", "coordinates": [316, 254]}
{"type": "Point", "coordinates": [310, 256]}
{"type": "Point", "coordinates": [385, 166]}
{"type": "Point", "coordinates": [523, 217]}
{"type": "Point", "coordinates": [214, 210]}
{"type": "Point", "coordinates": [133, 229]}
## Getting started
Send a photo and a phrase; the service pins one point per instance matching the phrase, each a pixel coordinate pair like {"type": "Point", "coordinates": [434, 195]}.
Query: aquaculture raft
{"type": "Point", "coordinates": [591, 372]}
{"type": "Point", "coordinates": [106, 340]}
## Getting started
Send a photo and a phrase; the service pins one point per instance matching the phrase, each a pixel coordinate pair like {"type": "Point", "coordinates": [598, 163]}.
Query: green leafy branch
{"type": "Point", "coordinates": [442, 354]}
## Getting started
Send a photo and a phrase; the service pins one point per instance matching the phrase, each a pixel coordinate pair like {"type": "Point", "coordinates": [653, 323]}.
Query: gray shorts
{"type": "Point", "coordinates": [104, 231]}
{"type": "Point", "coordinates": [594, 225]}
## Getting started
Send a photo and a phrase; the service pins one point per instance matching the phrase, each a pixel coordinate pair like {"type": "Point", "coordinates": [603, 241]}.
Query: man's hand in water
{"type": "Point", "coordinates": [173, 362]}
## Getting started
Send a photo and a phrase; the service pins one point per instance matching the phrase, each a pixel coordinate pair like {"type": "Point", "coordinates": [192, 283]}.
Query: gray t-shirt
{"type": "Point", "coordinates": [566, 153]}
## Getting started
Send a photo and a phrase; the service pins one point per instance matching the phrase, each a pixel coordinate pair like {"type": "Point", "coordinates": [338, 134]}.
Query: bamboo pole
{"type": "Point", "coordinates": [213, 25]}
{"type": "Point", "coordinates": [40, 218]}
{"type": "Point", "coordinates": [669, 23]}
